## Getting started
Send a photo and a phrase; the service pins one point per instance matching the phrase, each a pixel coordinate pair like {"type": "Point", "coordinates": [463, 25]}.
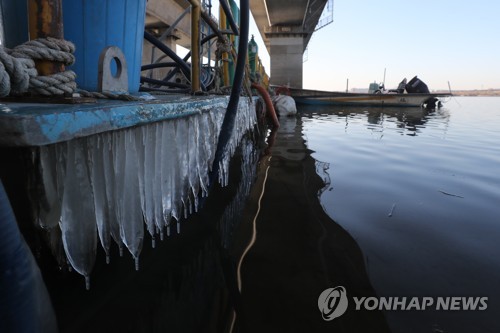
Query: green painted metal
{"type": "Point", "coordinates": [253, 50]}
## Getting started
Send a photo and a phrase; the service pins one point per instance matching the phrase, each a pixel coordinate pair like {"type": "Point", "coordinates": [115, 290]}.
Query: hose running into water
{"type": "Point", "coordinates": [232, 106]}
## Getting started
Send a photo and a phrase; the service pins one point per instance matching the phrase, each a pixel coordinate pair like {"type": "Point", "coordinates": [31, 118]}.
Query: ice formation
{"type": "Point", "coordinates": [110, 185]}
{"type": "Point", "coordinates": [250, 159]}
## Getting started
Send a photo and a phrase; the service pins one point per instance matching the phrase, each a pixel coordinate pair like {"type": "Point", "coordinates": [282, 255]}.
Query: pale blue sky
{"type": "Point", "coordinates": [438, 40]}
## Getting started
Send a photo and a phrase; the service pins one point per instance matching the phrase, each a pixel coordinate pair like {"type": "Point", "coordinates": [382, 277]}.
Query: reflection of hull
{"type": "Point", "coordinates": [304, 96]}
{"type": "Point", "coordinates": [313, 252]}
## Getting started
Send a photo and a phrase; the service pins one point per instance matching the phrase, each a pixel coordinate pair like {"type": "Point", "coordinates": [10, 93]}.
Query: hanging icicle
{"type": "Point", "coordinates": [112, 184]}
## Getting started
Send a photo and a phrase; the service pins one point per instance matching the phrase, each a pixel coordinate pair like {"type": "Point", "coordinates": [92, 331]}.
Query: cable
{"type": "Point", "coordinates": [232, 106]}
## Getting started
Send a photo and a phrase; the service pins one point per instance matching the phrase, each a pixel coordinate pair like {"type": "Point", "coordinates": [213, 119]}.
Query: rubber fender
{"type": "Point", "coordinates": [284, 105]}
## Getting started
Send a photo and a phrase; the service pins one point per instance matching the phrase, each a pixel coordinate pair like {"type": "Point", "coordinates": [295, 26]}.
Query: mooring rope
{"type": "Point", "coordinates": [19, 76]}
{"type": "Point", "coordinates": [15, 73]}
{"type": "Point", "coordinates": [49, 48]}
{"type": "Point", "coordinates": [107, 95]}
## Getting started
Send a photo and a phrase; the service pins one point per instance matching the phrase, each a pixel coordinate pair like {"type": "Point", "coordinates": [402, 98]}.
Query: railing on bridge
{"type": "Point", "coordinates": [326, 16]}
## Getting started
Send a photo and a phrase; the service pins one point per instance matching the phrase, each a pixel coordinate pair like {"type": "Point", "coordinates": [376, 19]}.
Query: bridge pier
{"type": "Point", "coordinates": [286, 60]}
{"type": "Point", "coordinates": [286, 28]}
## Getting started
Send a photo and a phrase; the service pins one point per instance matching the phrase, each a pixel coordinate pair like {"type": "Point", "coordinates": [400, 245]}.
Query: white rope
{"type": "Point", "coordinates": [55, 84]}
{"type": "Point", "coordinates": [51, 49]}
{"type": "Point", "coordinates": [19, 76]}
{"type": "Point", "coordinates": [108, 95]}
{"type": "Point", "coordinates": [15, 73]}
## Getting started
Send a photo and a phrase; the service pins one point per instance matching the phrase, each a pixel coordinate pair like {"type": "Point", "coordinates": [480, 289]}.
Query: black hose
{"type": "Point", "coordinates": [175, 64]}
{"type": "Point", "coordinates": [165, 91]}
{"type": "Point", "coordinates": [163, 83]}
{"type": "Point", "coordinates": [229, 16]}
{"type": "Point", "coordinates": [188, 55]}
{"type": "Point", "coordinates": [203, 41]}
{"type": "Point", "coordinates": [158, 65]}
{"type": "Point", "coordinates": [165, 49]}
{"type": "Point", "coordinates": [232, 106]}
{"type": "Point", "coordinates": [185, 68]}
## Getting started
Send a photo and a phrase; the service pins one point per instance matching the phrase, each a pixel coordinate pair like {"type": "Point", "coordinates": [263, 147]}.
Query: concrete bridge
{"type": "Point", "coordinates": [286, 27]}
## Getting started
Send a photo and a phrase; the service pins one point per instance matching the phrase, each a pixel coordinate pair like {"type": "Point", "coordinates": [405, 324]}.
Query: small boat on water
{"type": "Point", "coordinates": [411, 94]}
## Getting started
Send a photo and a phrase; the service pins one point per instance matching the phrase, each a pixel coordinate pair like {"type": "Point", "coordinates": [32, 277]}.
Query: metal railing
{"type": "Point", "coordinates": [193, 68]}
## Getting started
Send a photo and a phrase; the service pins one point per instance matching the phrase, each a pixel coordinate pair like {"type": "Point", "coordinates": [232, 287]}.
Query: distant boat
{"type": "Point", "coordinates": [411, 94]}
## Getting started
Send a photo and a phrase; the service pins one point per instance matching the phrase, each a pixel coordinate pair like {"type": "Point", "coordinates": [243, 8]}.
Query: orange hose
{"type": "Point", "coordinates": [269, 104]}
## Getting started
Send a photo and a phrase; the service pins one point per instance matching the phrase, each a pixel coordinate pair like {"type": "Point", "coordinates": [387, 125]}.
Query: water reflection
{"type": "Point", "coordinates": [392, 173]}
{"type": "Point", "coordinates": [408, 121]}
{"type": "Point", "coordinates": [181, 287]}
{"type": "Point", "coordinates": [296, 250]}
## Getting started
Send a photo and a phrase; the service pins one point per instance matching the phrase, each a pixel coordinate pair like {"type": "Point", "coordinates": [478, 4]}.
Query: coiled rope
{"type": "Point", "coordinates": [18, 74]}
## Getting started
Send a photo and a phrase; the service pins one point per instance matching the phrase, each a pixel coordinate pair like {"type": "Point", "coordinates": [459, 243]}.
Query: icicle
{"type": "Point", "coordinates": [78, 225]}
{"type": "Point", "coordinates": [96, 167]}
{"type": "Point", "coordinates": [87, 282]}
{"type": "Point", "coordinates": [119, 162]}
{"type": "Point", "coordinates": [156, 160]}
{"type": "Point", "coordinates": [149, 140]}
{"type": "Point", "coordinates": [160, 232]}
{"type": "Point", "coordinates": [166, 170]}
{"type": "Point", "coordinates": [190, 205]}
{"type": "Point", "coordinates": [49, 199]}
{"type": "Point", "coordinates": [110, 186]}
{"type": "Point", "coordinates": [204, 152]}
{"type": "Point", "coordinates": [56, 246]}
{"type": "Point", "coordinates": [171, 196]}
{"type": "Point", "coordinates": [193, 163]}
{"type": "Point", "coordinates": [131, 219]}
{"type": "Point", "coordinates": [181, 139]}
{"type": "Point", "coordinates": [138, 141]}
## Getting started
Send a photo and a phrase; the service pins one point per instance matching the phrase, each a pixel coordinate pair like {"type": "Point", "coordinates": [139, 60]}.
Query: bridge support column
{"type": "Point", "coordinates": [286, 60]}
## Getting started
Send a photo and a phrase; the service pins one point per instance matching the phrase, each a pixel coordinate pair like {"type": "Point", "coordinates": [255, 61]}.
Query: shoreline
{"type": "Point", "coordinates": [476, 92]}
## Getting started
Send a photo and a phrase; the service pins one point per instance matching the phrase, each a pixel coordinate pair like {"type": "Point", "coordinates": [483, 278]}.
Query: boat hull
{"type": "Point", "coordinates": [304, 96]}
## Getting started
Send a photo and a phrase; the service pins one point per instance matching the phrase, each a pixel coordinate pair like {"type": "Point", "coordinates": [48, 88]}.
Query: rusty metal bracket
{"type": "Point", "coordinates": [45, 20]}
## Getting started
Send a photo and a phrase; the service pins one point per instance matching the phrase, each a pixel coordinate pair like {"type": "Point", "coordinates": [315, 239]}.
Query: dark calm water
{"type": "Point", "coordinates": [382, 201]}
{"type": "Point", "coordinates": [419, 192]}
